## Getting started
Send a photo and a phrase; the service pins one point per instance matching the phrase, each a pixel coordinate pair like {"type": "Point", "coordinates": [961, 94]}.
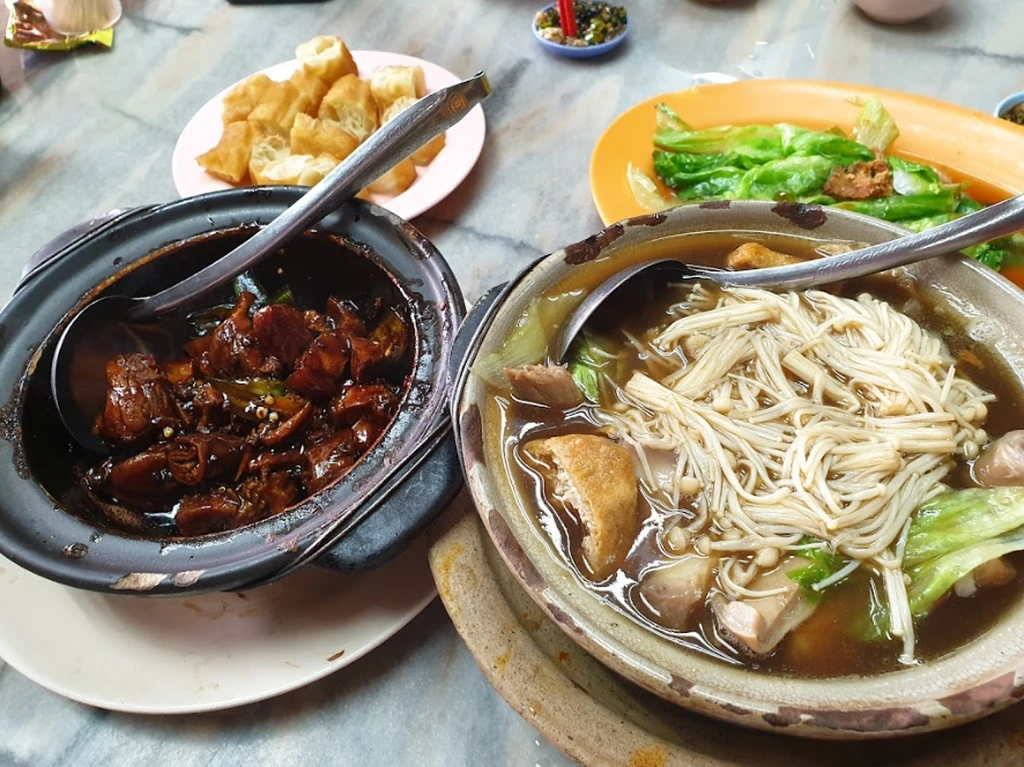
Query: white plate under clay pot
{"type": "Point", "coordinates": [204, 653]}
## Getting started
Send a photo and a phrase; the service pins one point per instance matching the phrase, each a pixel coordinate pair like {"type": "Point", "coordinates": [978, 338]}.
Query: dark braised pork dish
{"type": "Point", "coordinates": [267, 406]}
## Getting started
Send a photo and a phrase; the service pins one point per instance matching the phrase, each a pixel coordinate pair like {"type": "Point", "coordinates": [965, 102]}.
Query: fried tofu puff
{"type": "Point", "coordinates": [327, 57]}
{"type": "Point", "coordinates": [229, 160]}
{"type": "Point", "coordinates": [593, 477]}
{"type": "Point", "coordinates": [388, 84]}
{"type": "Point", "coordinates": [425, 154]}
{"type": "Point", "coordinates": [349, 104]}
{"type": "Point", "coordinates": [317, 137]}
{"type": "Point", "coordinates": [242, 99]}
{"type": "Point", "coordinates": [277, 107]}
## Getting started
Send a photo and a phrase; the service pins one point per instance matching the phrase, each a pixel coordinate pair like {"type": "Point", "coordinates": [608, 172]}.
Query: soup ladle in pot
{"type": "Point", "coordinates": [999, 220]}
{"type": "Point", "coordinates": [115, 325]}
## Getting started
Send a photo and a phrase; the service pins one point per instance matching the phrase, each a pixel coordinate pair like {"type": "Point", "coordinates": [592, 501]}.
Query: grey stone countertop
{"type": "Point", "coordinates": [85, 132]}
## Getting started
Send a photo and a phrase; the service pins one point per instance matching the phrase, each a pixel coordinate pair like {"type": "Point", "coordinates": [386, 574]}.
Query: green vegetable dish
{"type": "Point", "coordinates": [812, 483]}
{"type": "Point", "coordinates": [787, 162]}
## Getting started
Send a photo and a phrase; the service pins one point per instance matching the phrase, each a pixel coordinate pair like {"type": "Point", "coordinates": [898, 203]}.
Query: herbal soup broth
{"type": "Point", "coordinates": [748, 606]}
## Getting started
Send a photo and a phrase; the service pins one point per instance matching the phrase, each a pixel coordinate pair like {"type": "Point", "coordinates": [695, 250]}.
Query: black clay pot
{"type": "Point", "coordinates": [359, 248]}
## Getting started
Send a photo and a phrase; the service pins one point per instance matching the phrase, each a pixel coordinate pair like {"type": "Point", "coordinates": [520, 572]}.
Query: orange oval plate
{"type": "Point", "coordinates": [985, 151]}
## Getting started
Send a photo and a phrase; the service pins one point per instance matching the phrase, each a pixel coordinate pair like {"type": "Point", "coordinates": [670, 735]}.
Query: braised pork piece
{"type": "Point", "coordinates": [267, 406]}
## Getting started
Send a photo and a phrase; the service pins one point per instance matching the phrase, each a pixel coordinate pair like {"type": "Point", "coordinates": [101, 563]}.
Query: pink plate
{"type": "Point", "coordinates": [436, 181]}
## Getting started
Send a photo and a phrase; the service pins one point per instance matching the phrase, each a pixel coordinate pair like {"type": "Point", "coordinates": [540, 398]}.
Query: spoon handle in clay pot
{"type": "Point", "coordinates": [392, 143]}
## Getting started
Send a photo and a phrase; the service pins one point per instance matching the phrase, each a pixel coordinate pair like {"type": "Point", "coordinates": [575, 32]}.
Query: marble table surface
{"type": "Point", "coordinates": [86, 132]}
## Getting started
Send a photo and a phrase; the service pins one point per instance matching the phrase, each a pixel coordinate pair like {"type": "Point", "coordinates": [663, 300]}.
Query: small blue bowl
{"type": "Point", "coordinates": [580, 52]}
{"type": "Point", "coordinates": [1009, 102]}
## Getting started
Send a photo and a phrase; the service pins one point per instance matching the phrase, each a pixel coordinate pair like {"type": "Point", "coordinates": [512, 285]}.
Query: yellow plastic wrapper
{"type": "Point", "coordinates": [27, 28]}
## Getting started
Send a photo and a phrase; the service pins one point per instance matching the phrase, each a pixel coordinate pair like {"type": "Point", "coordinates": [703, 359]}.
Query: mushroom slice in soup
{"type": "Point", "coordinates": [1002, 462]}
{"type": "Point", "coordinates": [759, 624]}
{"type": "Point", "coordinates": [676, 591]}
{"type": "Point", "coordinates": [550, 385]}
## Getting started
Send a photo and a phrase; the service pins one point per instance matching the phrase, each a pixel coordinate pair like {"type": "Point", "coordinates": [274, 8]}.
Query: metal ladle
{"type": "Point", "coordinates": [999, 220]}
{"type": "Point", "coordinates": [115, 325]}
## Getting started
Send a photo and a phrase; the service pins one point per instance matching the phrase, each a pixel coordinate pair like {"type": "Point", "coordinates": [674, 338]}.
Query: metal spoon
{"type": "Point", "coordinates": [115, 324]}
{"type": "Point", "coordinates": [999, 220]}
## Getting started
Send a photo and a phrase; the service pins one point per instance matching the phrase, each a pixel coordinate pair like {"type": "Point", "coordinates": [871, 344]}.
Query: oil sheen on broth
{"type": "Point", "coordinates": [832, 640]}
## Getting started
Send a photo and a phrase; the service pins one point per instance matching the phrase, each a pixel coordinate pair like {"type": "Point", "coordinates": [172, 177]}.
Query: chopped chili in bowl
{"type": "Point", "coordinates": [596, 23]}
{"type": "Point", "coordinates": [1014, 114]}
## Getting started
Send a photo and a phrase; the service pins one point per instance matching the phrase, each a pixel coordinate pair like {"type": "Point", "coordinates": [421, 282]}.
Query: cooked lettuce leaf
{"type": "Point", "coordinates": [929, 222]}
{"type": "Point", "coordinates": [645, 191]}
{"type": "Point", "coordinates": [991, 254]}
{"type": "Point", "coordinates": [587, 381]}
{"type": "Point", "coordinates": [753, 141]}
{"type": "Point", "coordinates": [807, 143]}
{"type": "Point", "coordinates": [668, 120]}
{"type": "Point", "coordinates": [968, 205]}
{"type": "Point", "coordinates": [914, 178]}
{"type": "Point", "coordinates": [680, 171]}
{"type": "Point", "coordinates": [824, 563]}
{"type": "Point", "coordinates": [960, 518]}
{"type": "Point", "coordinates": [718, 186]}
{"type": "Point", "coordinates": [901, 207]}
{"type": "Point", "coordinates": [873, 625]}
{"type": "Point", "coordinates": [874, 126]}
{"type": "Point", "coordinates": [525, 345]}
{"type": "Point", "coordinates": [932, 579]}
{"type": "Point", "coordinates": [588, 357]}
{"type": "Point", "coordinates": [791, 178]}
{"type": "Point", "coordinates": [787, 162]}
{"type": "Point", "coordinates": [1007, 251]}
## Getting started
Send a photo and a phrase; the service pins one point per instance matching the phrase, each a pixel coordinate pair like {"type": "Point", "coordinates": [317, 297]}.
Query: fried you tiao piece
{"type": "Point", "coordinates": [424, 154]}
{"type": "Point", "coordinates": [327, 57]}
{"type": "Point", "coordinates": [229, 160]}
{"type": "Point", "coordinates": [316, 137]}
{"type": "Point", "coordinates": [277, 107]}
{"type": "Point", "coordinates": [286, 170]}
{"type": "Point", "coordinates": [396, 180]}
{"type": "Point", "coordinates": [266, 149]}
{"type": "Point", "coordinates": [350, 105]}
{"type": "Point", "coordinates": [388, 84]}
{"type": "Point", "coordinates": [242, 99]}
{"type": "Point", "coordinates": [316, 169]}
{"type": "Point", "coordinates": [396, 108]}
{"type": "Point", "coordinates": [309, 84]}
